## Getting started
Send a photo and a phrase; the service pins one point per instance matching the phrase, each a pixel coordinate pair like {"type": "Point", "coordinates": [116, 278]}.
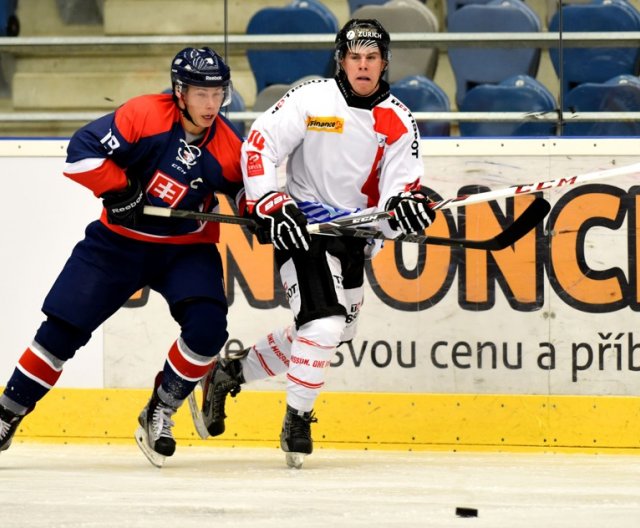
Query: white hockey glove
{"type": "Point", "coordinates": [411, 211]}
{"type": "Point", "coordinates": [279, 216]}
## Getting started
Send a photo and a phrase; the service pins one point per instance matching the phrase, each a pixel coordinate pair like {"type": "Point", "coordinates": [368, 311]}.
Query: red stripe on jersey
{"type": "Point", "coordinates": [251, 205]}
{"type": "Point", "coordinates": [225, 147]}
{"type": "Point", "coordinates": [306, 384]}
{"type": "Point", "coordinates": [184, 366]}
{"type": "Point", "coordinates": [370, 187]}
{"type": "Point", "coordinates": [387, 122]}
{"type": "Point", "coordinates": [38, 369]}
{"type": "Point", "coordinates": [146, 115]}
{"type": "Point", "coordinates": [107, 177]}
{"type": "Point", "coordinates": [413, 186]}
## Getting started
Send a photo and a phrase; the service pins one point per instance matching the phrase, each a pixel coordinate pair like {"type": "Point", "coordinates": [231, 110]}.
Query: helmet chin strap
{"type": "Point", "coordinates": [187, 116]}
{"type": "Point", "coordinates": [183, 111]}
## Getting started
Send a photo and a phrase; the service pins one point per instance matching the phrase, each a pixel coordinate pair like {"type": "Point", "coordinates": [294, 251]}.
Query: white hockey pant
{"type": "Point", "coordinates": [270, 355]}
{"type": "Point", "coordinates": [304, 355]}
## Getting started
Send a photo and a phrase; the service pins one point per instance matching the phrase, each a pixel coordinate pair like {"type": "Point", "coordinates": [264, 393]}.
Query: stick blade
{"type": "Point", "coordinates": [527, 221]}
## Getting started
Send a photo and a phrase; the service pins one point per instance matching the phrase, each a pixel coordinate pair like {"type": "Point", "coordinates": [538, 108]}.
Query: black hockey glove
{"type": "Point", "coordinates": [281, 222]}
{"type": "Point", "coordinates": [125, 207]}
{"type": "Point", "coordinates": [411, 211]}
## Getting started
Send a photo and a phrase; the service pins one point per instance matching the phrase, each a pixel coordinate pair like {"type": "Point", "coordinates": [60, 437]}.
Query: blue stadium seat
{"type": "Point", "coordinates": [473, 66]}
{"type": "Point", "coordinates": [406, 16]}
{"type": "Point", "coordinates": [9, 23]}
{"type": "Point", "coordinates": [620, 94]}
{"type": "Point", "coordinates": [454, 5]}
{"type": "Point", "coordinates": [357, 4]}
{"type": "Point", "coordinates": [319, 7]}
{"type": "Point", "coordinates": [518, 93]}
{"type": "Point", "coordinates": [552, 7]}
{"type": "Point", "coordinates": [285, 66]}
{"type": "Point", "coordinates": [421, 94]}
{"type": "Point", "coordinates": [597, 65]}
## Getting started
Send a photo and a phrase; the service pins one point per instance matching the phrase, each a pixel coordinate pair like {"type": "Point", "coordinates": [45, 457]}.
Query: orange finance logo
{"type": "Point", "coordinates": [325, 124]}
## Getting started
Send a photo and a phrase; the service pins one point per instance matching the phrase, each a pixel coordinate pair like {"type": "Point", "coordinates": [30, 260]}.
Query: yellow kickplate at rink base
{"type": "Point", "coordinates": [452, 422]}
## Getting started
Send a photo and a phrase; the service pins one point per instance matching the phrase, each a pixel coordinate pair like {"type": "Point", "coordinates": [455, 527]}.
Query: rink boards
{"type": "Point", "coordinates": [414, 422]}
{"type": "Point", "coordinates": [533, 347]}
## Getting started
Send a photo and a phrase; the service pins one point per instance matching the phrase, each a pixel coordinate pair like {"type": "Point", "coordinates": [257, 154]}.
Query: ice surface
{"type": "Point", "coordinates": [85, 486]}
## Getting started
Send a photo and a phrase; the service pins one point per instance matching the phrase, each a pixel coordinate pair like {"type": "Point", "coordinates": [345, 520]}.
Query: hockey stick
{"type": "Point", "coordinates": [468, 199]}
{"type": "Point", "coordinates": [152, 210]}
{"type": "Point", "coordinates": [353, 221]}
{"type": "Point", "coordinates": [325, 227]}
{"type": "Point", "coordinates": [532, 215]}
{"type": "Point", "coordinates": [524, 223]}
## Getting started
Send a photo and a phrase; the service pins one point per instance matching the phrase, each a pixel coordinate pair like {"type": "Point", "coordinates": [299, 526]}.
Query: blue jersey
{"type": "Point", "coordinates": [144, 140]}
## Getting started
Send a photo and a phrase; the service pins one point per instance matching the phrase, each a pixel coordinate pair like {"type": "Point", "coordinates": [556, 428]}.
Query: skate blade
{"type": "Point", "coordinates": [295, 460]}
{"type": "Point", "coordinates": [196, 416]}
{"type": "Point", "coordinates": [143, 443]}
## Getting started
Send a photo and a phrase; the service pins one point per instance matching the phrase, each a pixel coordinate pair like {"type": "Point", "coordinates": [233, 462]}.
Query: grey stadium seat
{"type": "Point", "coordinates": [272, 94]}
{"type": "Point", "coordinates": [406, 16]}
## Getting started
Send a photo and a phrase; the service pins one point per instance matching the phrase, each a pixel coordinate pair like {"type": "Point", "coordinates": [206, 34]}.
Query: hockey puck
{"type": "Point", "coordinates": [466, 512]}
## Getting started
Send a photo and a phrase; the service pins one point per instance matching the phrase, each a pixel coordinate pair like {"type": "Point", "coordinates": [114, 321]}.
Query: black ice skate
{"type": "Point", "coordinates": [9, 423]}
{"type": "Point", "coordinates": [295, 438]}
{"type": "Point", "coordinates": [154, 435]}
{"type": "Point", "coordinates": [224, 377]}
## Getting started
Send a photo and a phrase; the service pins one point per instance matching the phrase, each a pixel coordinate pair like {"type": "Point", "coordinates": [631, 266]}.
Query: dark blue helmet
{"type": "Point", "coordinates": [201, 67]}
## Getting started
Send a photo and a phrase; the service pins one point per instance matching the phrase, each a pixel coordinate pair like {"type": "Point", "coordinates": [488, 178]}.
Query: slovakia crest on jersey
{"type": "Point", "coordinates": [166, 188]}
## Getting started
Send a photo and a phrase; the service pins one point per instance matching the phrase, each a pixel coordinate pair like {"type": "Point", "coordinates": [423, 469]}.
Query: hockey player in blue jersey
{"type": "Point", "coordinates": [170, 150]}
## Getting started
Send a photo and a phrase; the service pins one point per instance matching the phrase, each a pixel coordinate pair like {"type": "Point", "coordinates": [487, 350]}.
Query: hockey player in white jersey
{"type": "Point", "coordinates": [350, 147]}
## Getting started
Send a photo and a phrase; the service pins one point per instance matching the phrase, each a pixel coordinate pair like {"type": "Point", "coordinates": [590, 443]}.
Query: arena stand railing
{"type": "Point", "coordinates": [86, 46]}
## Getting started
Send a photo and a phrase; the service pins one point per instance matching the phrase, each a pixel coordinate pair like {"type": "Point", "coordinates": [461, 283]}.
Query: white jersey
{"type": "Point", "coordinates": [340, 158]}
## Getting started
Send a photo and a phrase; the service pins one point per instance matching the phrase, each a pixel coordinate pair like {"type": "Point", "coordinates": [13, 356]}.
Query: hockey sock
{"type": "Point", "coordinates": [269, 356]}
{"type": "Point", "coordinates": [182, 371]}
{"type": "Point", "coordinates": [35, 374]}
{"type": "Point", "coordinates": [311, 354]}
